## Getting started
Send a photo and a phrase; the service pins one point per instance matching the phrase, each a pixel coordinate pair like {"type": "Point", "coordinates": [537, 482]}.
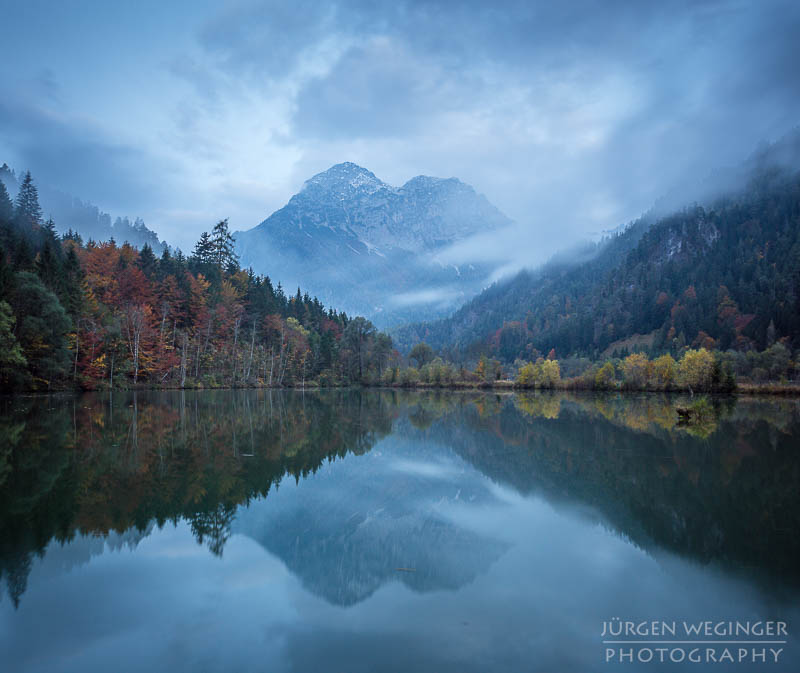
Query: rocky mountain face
{"type": "Point", "coordinates": [370, 248]}
{"type": "Point", "coordinates": [355, 524]}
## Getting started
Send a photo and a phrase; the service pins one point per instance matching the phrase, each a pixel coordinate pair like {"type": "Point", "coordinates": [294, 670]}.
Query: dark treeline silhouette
{"type": "Point", "coordinates": [98, 315]}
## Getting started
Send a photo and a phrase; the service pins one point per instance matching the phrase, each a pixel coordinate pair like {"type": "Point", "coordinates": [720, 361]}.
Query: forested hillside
{"type": "Point", "coordinates": [100, 315]}
{"type": "Point", "coordinates": [70, 214]}
{"type": "Point", "coordinates": [725, 275]}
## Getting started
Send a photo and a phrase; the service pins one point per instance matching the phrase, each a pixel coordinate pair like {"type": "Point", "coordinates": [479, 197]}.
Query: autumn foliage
{"type": "Point", "coordinates": [106, 315]}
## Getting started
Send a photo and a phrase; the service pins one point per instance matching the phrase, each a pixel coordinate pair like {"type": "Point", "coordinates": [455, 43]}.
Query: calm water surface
{"type": "Point", "coordinates": [385, 531]}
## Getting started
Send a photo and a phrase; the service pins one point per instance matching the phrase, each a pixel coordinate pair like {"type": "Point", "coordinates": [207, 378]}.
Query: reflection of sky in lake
{"type": "Point", "coordinates": [503, 582]}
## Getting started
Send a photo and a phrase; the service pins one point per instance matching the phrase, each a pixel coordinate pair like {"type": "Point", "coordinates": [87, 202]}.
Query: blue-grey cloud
{"type": "Point", "coordinates": [571, 117]}
{"type": "Point", "coordinates": [69, 154]}
{"type": "Point", "coordinates": [380, 89]}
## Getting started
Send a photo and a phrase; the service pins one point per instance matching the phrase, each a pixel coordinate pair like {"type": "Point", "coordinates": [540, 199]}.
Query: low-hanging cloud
{"type": "Point", "coordinates": [570, 117]}
{"type": "Point", "coordinates": [434, 296]}
{"type": "Point", "coordinates": [69, 154]}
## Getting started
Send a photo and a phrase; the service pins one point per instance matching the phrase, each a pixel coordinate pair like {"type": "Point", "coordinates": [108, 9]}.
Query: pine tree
{"type": "Point", "coordinates": [147, 261]}
{"type": "Point", "coordinates": [48, 266]}
{"type": "Point", "coordinates": [203, 250]}
{"type": "Point", "coordinates": [28, 210]}
{"type": "Point", "coordinates": [223, 247]}
{"type": "Point", "coordinates": [6, 206]}
{"type": "Point", "coordinates": [72, 284]}
{"type": "Point", "coordinates": [50, 229]}
{"type": "Point", "coordinates": [166, 265]}
{"type": "Point", "coordinates": [73, 236]}
{"type": "Point", "coordinates": [297, 305]}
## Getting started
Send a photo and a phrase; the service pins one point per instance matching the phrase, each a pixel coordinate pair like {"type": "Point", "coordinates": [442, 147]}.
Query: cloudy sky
{"type": "Point", "coordinates": [571, 117]}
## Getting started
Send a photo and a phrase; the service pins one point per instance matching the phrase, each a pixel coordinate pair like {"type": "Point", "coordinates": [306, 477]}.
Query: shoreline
{"type": "Point", "coordinates": [501, 386]}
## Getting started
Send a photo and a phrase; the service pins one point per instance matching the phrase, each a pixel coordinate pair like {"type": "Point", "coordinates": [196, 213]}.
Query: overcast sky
{"type": "Point", "coordinates": [571, 117]}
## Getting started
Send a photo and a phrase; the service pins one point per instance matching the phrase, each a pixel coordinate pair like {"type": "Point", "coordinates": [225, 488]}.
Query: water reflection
{"type": "Point", "coordinates": [543, 496]}
{"type": "Point", "coordinates": [92, 465]}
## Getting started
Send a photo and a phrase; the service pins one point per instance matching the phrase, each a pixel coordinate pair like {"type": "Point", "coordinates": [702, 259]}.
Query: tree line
{"type": "Point", "coordinates": [98, 314]}
{"type": "Point", "coordinates": [101, 315]}
{"type": "Point", "coordinates": [697, 370]}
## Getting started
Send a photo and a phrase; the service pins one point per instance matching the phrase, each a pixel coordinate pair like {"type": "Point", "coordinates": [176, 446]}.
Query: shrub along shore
{"type": "Point", "coordinates": [697, 370]}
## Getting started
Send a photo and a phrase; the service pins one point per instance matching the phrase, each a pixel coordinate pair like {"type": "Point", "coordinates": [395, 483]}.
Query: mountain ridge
{"type": "Point", "coordinates": [722, 275]}
{"type": "Point", "coordinates": [371, 247]}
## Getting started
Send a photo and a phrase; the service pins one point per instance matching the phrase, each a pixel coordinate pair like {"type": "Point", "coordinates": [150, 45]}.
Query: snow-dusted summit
{"type": "Point", "coordinates": [363, 245]}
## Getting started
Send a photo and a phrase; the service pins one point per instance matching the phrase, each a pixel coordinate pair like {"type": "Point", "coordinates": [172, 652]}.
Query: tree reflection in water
{"type": "Point", "coordinates": [726, 491]}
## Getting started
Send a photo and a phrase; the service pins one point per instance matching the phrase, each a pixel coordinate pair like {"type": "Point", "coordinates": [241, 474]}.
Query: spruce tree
{"type": "Point", "coordinates": [6, 206]}
{"type": "Point", "coordinates": [203, 250]}
{"type": "Point", "coordinates": [72, 284]}
{"type": "Point", "coordinates": [73, 236]}
{"type": "Point", "coordinates": [223, 247]}
{"type": "Point", "coordinates": [147, 261]}
{"type": "Point", "coordinates": [28, 210]}
{"type": "Point", "coordinates": [166, 266]}
{"type": "Point", "coordinates": [48, 266]}
{"type": "Point", "coordinates": [50, 228]}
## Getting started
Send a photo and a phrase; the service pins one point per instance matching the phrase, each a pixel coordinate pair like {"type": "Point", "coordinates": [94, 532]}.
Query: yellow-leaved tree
{"type": "Point", "coordinates": [696, 368]}
{"type": "Point", "coordinates": [636, 371]}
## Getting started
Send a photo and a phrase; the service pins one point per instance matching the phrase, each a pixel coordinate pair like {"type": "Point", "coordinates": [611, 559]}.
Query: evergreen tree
{"type": "Point", "coordinates": [48, 267]}
{"type": "Point", "coordinates": [28, 210]}
{"type": "Point", "coordinates": [50, 229]}
{"type": "Point", "coordinates": [147, 261]}
{"type": "Point", "coordinates": [297, 306]}
{"type": "Point", "coordinates": [166, 265]}
{"type": "Point", "coordinates": [73, 236]}
{"type": "Point", "coordinates": [6, 206]}
{"type": "Point", "coordinates": [21, 254]}
{"type": "Point", "coordinates": [12, 361]}
{"type": "Point", "coordinates": [72, 284]}
{"type": "Point", "coordinates": [203, 250]}
{"type": "Point", "coordinates": [43, 325]}
{"type": "Point", "coordinates": [222, 243]}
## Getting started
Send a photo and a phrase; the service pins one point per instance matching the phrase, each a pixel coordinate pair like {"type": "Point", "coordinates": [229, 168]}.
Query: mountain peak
{"type": "Point", "coordinates": [346, 177]}
{"type": "Point", "coordinates": [429, 180]}
{"type": "Point", "coordinates": [424, 183]}
{"type": "Point", "coordinates": [371, 248]}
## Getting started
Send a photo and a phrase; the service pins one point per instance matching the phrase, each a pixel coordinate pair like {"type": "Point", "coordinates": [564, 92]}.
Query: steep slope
{"type": "Point", "coordinates": [70, 213]}
{"type": "Point", "coordinates": [726, 274]}
{"type": "Point", "coordinates": [370, 247]}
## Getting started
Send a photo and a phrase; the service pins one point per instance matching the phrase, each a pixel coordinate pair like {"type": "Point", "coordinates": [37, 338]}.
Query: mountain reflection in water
{"type": "Point", "coordinates": [354, 491]}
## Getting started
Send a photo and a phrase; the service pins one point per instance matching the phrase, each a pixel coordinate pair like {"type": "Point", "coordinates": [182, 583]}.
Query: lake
{"type": "Point", "coordinates": [254, 530]}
